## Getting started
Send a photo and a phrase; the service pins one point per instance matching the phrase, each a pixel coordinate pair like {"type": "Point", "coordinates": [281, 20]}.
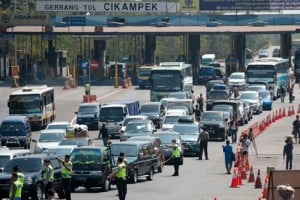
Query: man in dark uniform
{"type": "Point", "coordinates": [203, 141]}
{"type": "Point", "coordinates": [103, 132]}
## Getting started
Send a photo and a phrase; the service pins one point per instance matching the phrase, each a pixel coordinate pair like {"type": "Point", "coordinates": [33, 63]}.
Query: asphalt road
{"type": "Point", "coordinates": [198, 179]}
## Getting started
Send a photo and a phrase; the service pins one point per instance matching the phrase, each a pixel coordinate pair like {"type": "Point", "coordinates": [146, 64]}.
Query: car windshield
{"type": "Point", "coordinates": [249, 96]}
{"type": "Point", "coordinates": [129, 150]}
{"type": "Point", "coordinates": [86, 159]}
{"type": "Point", "coordinates": [171, 119]}
{"type": "Point", "coordinates": [186, 129]}
{"type": "Point", "coordinates": [149, 108]}
{"type": "Point", "coordinates": [212, 117]}
{"type": "Point", "coordinates": [4, 160]}
{"type": "Point", "coordinates": [178, 95]}
{"type": "Point", "coordinates": [77, 142]}
{"type": "Point", "coordinates": [12, 129]}
{"type": "Point", "coordinates": [26, 164]}
{"type": "Point", "coordinates": [256, 87]}
{"type": "Point", "coordinates": [216, 95]}
{"type": "Point", "coordinates": [177, 107]}
{"type": "Point", "coordinates": [51, 137]}
{"type": "Point", "coordinates": [236, 76]}
{"type": "Point", "coordinates": [222, 108]}
{"type": "Point", "coordinates": [59, 151]}
{"type": "Point", "coordinates": [167, 138]}
{"type": "Point", "coordinates": [264, 94]}
{"type": "Point", "coordinates": [57, 126]}
{"type": "Point", "coordinates": [87, 109]}
{"type": "Point", "coordinates": [206, 70]}
{"type": "Point", "coordinates": [138, 127]}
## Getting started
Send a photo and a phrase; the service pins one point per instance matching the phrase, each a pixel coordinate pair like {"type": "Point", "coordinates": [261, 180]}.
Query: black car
{"type": "Point", "coordinates": [140, 156]}
{"type": "Point", "coordinates": [214, 123]}
{"type": "Point", "coordinates": [189, 132]}
{"type": "Point", "coordinates": [88, 114]}
{"type": "Point", "coordinates": [214, 95]}
{"type": "Point", "coordinates": [91, 166]}
{"type": "Point", "coordinates": [206, 73]}
{"type": "Point", "coordinates": [32, 167]}
{"type": "Point", "coordinates": [155, 111]}
{"type": "Point", "coordinates": [209, 85]}
{"type": "Point", "coordinates": [166, 138]}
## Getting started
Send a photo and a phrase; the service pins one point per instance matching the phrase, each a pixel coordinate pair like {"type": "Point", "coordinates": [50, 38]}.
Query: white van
{"type": "Point", "coordinates": [8, 154]}
{"type": "Point", "coordinates": [208, 58]}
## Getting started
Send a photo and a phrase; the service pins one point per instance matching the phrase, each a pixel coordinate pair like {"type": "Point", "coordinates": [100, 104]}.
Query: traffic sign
{"type": "Point", "coordinates": [84, 64]}
{"type": "Point", "coordinates": [94, 64]}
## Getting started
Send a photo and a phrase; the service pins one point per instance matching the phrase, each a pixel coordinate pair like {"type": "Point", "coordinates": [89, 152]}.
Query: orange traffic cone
{"type": "Point", "coordinates": [258, 181]}
{"type": "Point", "coordinates": [293, 111]}
{"type": "Point", "coordinates": [239, 176]}
{"type": "Point", "coordinates": [243, 172]}
{"type": "Point", "coordinates": [289, 111]}
{"type": "Point", "coordinates": [215, 198]}
{"type": "Point", "coordinates": [247, 165]}
{"type": "Point", "coordinates": [273, 117]}
{"type": "Point", "coordinates": [298, 109]}
{"type": "Point", "coordinates": [265, 189]}
{"type": "Point", "coordinates": [251, 176]}
{"type": "Point", "coordinates": [234, 181]}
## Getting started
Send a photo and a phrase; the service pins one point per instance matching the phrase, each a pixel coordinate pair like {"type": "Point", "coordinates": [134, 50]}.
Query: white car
{"type": "Point", "coordinates": [48, 138]}
{"type": "Point", "coordinates": [254, 99]}
{"type": "Point", "coordinates": [237, 79]}
{"type": "Point", "coordinates": [169, 121]}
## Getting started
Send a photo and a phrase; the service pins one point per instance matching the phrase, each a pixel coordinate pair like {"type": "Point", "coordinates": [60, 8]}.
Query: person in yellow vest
{"type": "Point", "coordinates": [87, 89]}
{"type": "Point", "coordinates": [120, 175]}
{"type": "Point", "coordinates": [15, 192]}
{"type": "Point", "coordinates": [175, 157]}
{"type": "Point", "coordinates": [48, 176]}
{"type": "Point", "coordinates": [66, 173]}
{"type": "Point", "coordinates": [21, 176]}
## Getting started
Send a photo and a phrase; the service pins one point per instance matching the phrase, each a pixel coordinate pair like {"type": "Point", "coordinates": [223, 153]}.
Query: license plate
{"type": "Point", "coordinates": [81, 179]}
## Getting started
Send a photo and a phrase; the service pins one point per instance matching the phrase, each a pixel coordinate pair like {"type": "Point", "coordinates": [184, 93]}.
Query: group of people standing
{"type": "Point", "coordinates": [17, 180]}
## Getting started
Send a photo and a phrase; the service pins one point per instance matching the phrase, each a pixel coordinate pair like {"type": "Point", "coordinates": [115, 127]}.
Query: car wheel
{"type": "Point", "coordinates": [38, 192]}
{"type": "Point", "coordinates": [106, 185]}
{"type": "Point", "coordinates": [134, 177]}
{"type": "Point", "coordinates": [150, 174]}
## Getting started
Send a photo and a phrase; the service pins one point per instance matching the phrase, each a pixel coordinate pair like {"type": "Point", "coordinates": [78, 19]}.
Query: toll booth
{"type": "Point", "coordinates": [231, 65]}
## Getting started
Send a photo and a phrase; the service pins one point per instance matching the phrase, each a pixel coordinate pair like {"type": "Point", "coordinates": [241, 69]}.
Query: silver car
{"type": "Point", "coordinates": [254, 99]}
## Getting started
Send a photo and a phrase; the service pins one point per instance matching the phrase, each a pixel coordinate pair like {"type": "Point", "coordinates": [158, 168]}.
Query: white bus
{"type": "Point", "coordinates": [35, 102]}
{"type": "Point", "coordinates": [170, 77]}
{"type": "Point", "coordinates": [275, 71]}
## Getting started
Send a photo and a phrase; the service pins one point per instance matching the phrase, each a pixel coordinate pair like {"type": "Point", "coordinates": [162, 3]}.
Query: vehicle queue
{"type": "Point", "coordinates": [178, 130]}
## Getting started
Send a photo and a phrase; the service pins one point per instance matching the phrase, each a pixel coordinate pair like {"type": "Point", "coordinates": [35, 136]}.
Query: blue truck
{"type": "Point", "coordinates": [114, 114]}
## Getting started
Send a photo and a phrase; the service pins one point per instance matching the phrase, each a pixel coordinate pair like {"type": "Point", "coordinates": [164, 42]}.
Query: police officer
{"type": "Point", "coordinates": [120, 174]}
{"type": "Point", "coordinates": [66, 175]}
{"type": "Point", "coordinates": [48, 176]}
{"type": "Point", "coordinates": [15, 192]}
{"type": "Point", "coordinates": [175, 157]}
{"type": "Point", "coordinates": [87, 89]}
{"type": "Point", "coordinates": [18, 171]}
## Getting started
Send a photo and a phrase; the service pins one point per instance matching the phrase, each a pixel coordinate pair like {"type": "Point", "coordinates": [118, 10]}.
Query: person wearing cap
{"type": "Point", "coordinates": [175, 157]}
{"type": "Point", "coordinates": [15, 191]}
{"type": "Point", "coordinates": [120, 174]}
{"type": "Point", "coordinates": [18, 171]}
{"type": "Point", "coordinates": [66, 175]}
{"type": "Point", "coordinates": [103, 132]}
{"type": "Point", "coordinates": [48, 176]}
{"type": "Point", "coordinates": [203, 141]}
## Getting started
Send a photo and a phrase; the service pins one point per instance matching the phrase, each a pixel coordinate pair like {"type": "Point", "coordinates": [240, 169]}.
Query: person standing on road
{"type": "Point", "coordinates": [197, 113]}
{"type": "Point", "coordinates": [296, 128]}
{"type": "Point", "coordinates": [15, 191]}
{"type": "Point", "coordinates": [233, 128]}
{"type": "Point", "coordinates": [203, 141]}
{"type": "Point", "coordinates": [175, 157]}
{"type": "Point", "coordinates": [228, 151]}
{"type": "Point", "coordinates": [66, 175]}
{"type": "Point", "coordinates": [103, 132]}
{"type": "Point", "coordinates": [245, 145]}
{"type": "Point", "coordinates": [120, 174]}
{"type": "Point", "coordinates": [200, 101]}
{"type": "Point", "coordinates": [282, 93]}
{"type": "Point", "coordinates": [288, 154]}
{"type": "Point", "coordinates": [48, 176]}
{"type": "Point", "coordinates": [291, 96]}
{"type": "Point", "coordinates": [21, 176]}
